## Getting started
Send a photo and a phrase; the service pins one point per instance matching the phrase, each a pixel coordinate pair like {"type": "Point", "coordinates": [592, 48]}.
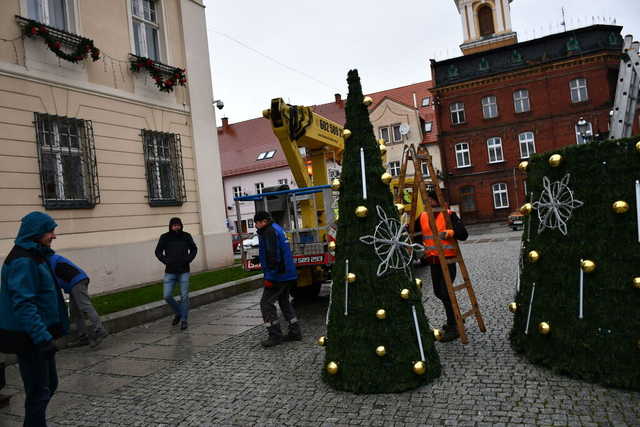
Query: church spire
{"type": "Point", "coordinates": [486, 24]}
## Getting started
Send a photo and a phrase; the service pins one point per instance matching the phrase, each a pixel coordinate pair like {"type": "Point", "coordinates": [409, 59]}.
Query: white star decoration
{"type": "Point", "coordinates": [392, 244]}
{"type": "Point", "coordinates": [556, 205]}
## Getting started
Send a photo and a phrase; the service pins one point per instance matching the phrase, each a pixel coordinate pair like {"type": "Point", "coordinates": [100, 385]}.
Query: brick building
{"type": "Point", "coordinates": [498, 106]}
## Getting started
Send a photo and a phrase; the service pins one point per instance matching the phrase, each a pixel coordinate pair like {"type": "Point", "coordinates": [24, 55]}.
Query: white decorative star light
{"type": "Point", "coordinates": [556, 204]}
{"type": "Point", "coordinates": [392, 244]}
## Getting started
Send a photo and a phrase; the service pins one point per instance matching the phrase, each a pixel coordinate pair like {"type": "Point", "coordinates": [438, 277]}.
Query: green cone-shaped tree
{"type": "Point", "coordinates": [355, 332]}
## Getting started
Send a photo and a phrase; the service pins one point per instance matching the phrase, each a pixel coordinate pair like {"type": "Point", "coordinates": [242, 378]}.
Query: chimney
{"type": "Point", "coordinates": [338, 98]}
{"type": "Point", "coordinates": [225, 122]}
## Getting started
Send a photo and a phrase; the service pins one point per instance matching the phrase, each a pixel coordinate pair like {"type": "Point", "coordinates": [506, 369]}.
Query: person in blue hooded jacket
{"type": "Point", "coordinates": [74, 281]}
{"type": "Point", "coordinates": [32, 313]}
{"type": "Point", "coordinates": [279, 276]}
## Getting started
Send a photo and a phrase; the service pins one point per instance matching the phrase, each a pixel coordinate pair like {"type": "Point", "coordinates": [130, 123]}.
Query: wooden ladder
{"type": "Point", "coordinates": [419, 188]}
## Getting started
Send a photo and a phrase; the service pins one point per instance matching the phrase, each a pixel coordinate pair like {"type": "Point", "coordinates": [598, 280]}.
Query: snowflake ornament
{"type": "Point", "coordinates": [392, 244]}
{"type": "Point", "coordinates": [556, 204]}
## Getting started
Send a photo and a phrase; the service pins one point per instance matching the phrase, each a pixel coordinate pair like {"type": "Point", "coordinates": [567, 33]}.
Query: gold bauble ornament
{"type": "Point", "coordinates": [405, 293]}
{"type": "Point", "coordinates": [332, 246]}
{"type": "Point", "coordinates": [386, 177]}
{"type": "Point", "coordinates": [335, 184]}
{"type": "Point", "coordinates": [367, 100]}
{"type": "Point", "coordinates": [381, 141]}
{"type": "Point", "coordinates": [361, 211]}
{"type": "Point", "coordinates": [351, 277]}
{"type": "Point", "coordinates": [381, 314]}
{"type": "Point", "coordinates": [383, 149]}
{"type": "Point", "coordinates": [638, 146]}
{"type": "Point", "coordinates": [332, 368]}
{"type": "Point", "coordinates": [381, 351]}
{"type": "Point", "coordinates": [346, 133]}
{"type": "Point", "coordinates": [266, 114]}
{"type": "Point", "coordinates": [437, 334]}
{"type": "Point", "coordinates": [544, 328]}
{"type": "Point", "coordinates": [620, 206]}
{"type": "Point", "coordinates": [513, 307]}
{"type": "Point", "coordinates": [419, 368]}
{"type": "Point", "coordinates": [419, 283]}
{"type": "Point", "coordinates": [526, 209]}
{"type": "Point", "coordinates": [636, 282]}
{"type": "Point", "coordinates": [587, 265]}
{"type": "Point", "coordinates": [555, 160]}
{"type": "Point", "coordinates": [523, 166]}
{"type": "Point", "coordinates": [400, 208]}
{"type": "Point", "coordinates": [534, 256]}
{"type": "Point", "coordinates": [322, 341]}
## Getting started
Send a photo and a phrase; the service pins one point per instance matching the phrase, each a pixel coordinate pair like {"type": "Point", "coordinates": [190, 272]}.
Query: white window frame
{"type": "Point", "coordinates": [266, 155]}
{"type": "Point", "coordinates": [426, 101]}
{"type": "Point", "coordinates": [163, 54]}
{"type": "Point", "coordinates": [576, 87]}
{"type": "Point", "coordinates": [579, 139]}
{"type": "Point", "coordinates": [489, 107]}
{"type": "Point", "coordinates": [381, 132]}
{"type": "Point", "coordinates": [425, 170]}
{"type": "Point", "coordinates": [457, 114]}
{"type": "Point", "coordinates": [462, 149]}
{"type": "Point", "coordinates": [494, 149]}
{"type": "Point", "coordinates": [237, 191]}
{"type": "Point", "coordinates": [428, 126]}
{"type": "Point", "coordinates": [44, 17]}
{"type": "Point", "coordinates": [521, 103]}
{"type": "Point", "coordinates": [283, 181]}
{"type": "Point", "coordinates": [527, 141]}
{"type": "Point", "coordinates": [395, 128]}
{"type": "Point", "coordinates": [259, 187]}
{"type": "Point", "coordinates": [500, 190]}
{"type": "Point", "coordinates": [394, 168]}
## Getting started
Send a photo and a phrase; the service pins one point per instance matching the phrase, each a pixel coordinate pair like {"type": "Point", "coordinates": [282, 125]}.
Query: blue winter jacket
{"type": "Point", "coordinates": [66, 273]}
{"type": "Point", "coordinates": [275, 254]}
{"type": "Point", "coordinates": [32, 310]}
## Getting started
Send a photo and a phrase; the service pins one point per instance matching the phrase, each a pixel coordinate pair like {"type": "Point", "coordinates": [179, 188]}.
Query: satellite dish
{"type": "Point", "coordinates": [404, 129]}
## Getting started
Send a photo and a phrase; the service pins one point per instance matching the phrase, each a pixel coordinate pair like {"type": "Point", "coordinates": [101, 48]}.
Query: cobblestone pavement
{"type": "Point", "coordinates": [217, 373]}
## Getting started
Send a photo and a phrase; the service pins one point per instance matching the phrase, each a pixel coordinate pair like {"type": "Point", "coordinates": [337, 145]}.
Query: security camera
{"type": "Point", "coordinates": [219, 104]}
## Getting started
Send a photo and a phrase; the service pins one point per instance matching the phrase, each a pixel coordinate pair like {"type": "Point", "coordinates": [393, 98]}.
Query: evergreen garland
{"type": "Point", "coordinates": [603, 346]}
{"type": "Point", "coordinates": [354, 333]}
{"type": "Point", "coordinates": [83, 49]}
{"type": "Point", "coordinates": [175, 75]}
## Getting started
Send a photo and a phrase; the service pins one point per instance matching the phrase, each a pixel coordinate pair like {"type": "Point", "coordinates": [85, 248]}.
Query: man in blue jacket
{"type": "Point", "coordinates": [279, 276]}
{"type": "Point", "coordinates": [32, 313]}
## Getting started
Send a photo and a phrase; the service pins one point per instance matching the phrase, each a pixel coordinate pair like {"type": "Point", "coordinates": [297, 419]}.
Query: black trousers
{"type": "Point", "coordinates": [440, 289]}
{"type": "Point", "coordinates": [278, 292]}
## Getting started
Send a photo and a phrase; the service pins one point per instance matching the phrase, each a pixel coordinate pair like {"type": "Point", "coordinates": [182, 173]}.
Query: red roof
{"type": "Point", "coordinates": [241, 143]}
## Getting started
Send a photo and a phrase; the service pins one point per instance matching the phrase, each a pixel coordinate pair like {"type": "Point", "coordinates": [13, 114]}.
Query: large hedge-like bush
{"type": "Point", "coordinates": [604, 346]}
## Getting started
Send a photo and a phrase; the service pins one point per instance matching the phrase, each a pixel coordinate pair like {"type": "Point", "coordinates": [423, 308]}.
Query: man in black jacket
{"type": "Point", "coordinates": [176, 249]}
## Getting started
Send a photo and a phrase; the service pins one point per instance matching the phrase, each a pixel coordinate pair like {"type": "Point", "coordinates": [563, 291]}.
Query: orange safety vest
{"type": "Point", "coordinates": [429, 243]}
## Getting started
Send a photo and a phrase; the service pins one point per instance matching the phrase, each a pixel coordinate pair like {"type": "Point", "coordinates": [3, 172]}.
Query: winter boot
{"type": "Point", "coordinates": [450, 333]}
{"type": "Point", "coordinates": [295, 334]}
{"type": "Point", "coordinates": [275, 336]}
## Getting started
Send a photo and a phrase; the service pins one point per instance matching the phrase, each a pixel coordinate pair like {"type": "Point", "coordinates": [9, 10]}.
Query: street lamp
{"type": "Point", "coordinates": [584, 130]}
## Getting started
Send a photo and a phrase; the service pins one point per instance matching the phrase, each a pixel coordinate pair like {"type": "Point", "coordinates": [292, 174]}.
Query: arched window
{"type": "Point", "coordinates": [485, 19]}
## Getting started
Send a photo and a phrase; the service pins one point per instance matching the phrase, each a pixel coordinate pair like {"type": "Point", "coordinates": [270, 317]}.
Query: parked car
{"type": "Point", "coordinates": [516, 220]}
{"type": "Point", "coordinates": [253, 242]}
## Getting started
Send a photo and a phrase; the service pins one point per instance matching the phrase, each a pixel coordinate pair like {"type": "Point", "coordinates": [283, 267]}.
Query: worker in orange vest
{"type": "Point", "coordinates": [447, 237]}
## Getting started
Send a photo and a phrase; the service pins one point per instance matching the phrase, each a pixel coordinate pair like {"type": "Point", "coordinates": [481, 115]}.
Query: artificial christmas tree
{"type": "Point", "coordinates": [576, 304]}
{"type": "Point", "coordinates": [378, 337]}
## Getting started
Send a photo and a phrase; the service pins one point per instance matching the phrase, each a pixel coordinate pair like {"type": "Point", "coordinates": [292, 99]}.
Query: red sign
{"type": "Point", "coordinates": [299, 260]}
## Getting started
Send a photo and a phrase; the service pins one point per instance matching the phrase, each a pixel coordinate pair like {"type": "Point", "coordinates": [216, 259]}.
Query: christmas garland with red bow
{"type": "Point", "coordinates": [174, 75]}
{"type": "Point", "coordinates": [83, 49]}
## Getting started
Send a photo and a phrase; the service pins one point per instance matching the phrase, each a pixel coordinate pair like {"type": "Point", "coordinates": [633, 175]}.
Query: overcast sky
{"type": "Point", "coordinates": [301, 50]}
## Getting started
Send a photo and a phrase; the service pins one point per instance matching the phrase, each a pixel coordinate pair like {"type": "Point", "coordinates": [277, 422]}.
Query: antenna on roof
{"type": "Point", "coordinates": [564, 21]}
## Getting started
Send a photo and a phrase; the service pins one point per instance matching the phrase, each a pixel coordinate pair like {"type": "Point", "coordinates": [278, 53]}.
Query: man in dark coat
{"type": "Point", "coordinates": [279, 276]}
{"type": "Point", "coordinates": [176, 249]}
{"type": "Point", "coordinates": [32, 313]}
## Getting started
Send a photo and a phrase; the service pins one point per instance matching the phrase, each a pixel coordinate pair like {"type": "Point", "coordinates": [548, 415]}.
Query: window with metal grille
{"type": "Point", "coordinates": [489, 107]}
{"type": "Point", "coordinates": [500, 195]}
{"type": "Point", "coordinates": [521, 101]}
{"type": "Point", "coordinates": [463, 159]}
{"type": "Point", "coordinates": [457, 113]}
{"type": "Point", "coordinates": [578, 88]}
{"type": "Point", "coordinates": [467, 199]}
{"type": "Point", "coordinates": [165, 174]}
{"type": "Point", "coordinates": [394, 168]}
{"type": "Point", "coordinates": [67, 161]}
{"type": "Point", "coordinates": [527, 144]}
{"type": "Point", "coordinates": [494, 146]}
{"type": "Point", "coordinates": [146, 28]}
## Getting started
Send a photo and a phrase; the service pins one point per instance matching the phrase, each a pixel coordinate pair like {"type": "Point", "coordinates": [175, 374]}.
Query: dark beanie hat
{"type": "Point", "coordinates": [261, 216]}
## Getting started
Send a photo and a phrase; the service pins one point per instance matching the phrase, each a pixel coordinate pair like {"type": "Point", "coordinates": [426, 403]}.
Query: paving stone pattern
{"type": "Point", "coordinates": [217, 373]}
